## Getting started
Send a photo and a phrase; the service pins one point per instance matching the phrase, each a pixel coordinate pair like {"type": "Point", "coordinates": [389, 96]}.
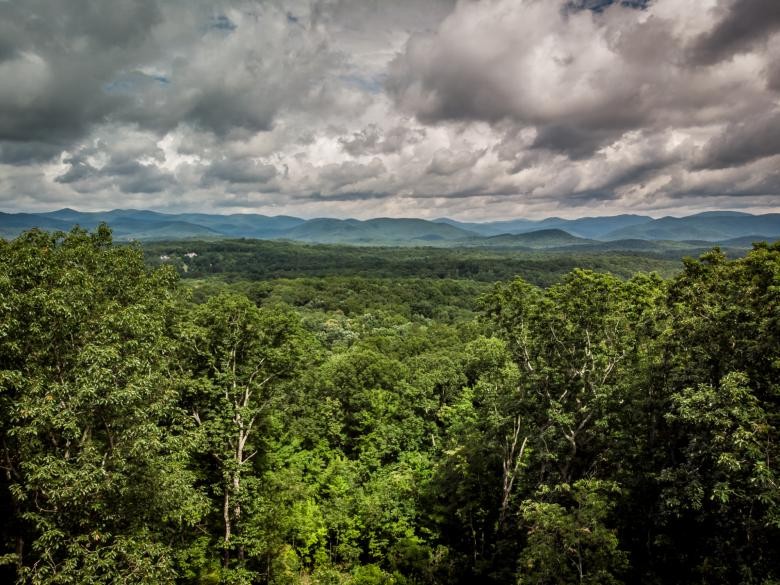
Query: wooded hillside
{"type": "Point", "coordinates": [372, 430]}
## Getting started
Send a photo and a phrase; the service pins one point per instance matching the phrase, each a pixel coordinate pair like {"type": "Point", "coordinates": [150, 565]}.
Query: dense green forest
{"type": "Point", "coordinates": [232, 260]}
{"type": "Point", "coordinates": [402, 419]}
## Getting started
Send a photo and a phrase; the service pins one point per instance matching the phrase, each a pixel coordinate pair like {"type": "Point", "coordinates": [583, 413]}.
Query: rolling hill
{"type": "Point", "coordinates": [540, 239]}
{"type": "Point", "coordinates": [376, 231]}
{"type": "Point", "coordinates": [584, 227]}
{"type": "Point", "coordinates": [621, 232]}
{"type": "Point", "coordinates": [710, 226]}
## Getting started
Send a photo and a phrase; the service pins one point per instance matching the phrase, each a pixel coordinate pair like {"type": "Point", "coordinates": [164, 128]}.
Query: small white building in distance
{"type": "Point", "coordinates": [190, 254]}
{"type": "Point", "coordinates": [165, 258]}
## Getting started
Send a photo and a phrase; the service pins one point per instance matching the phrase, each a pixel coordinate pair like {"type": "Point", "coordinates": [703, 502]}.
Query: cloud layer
{"type": "Point", "coordinates": [477, 109]}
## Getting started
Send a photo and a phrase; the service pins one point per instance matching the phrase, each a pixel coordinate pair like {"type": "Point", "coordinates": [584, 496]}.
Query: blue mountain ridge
{"type": "Point", "coordinates": [139, 224]}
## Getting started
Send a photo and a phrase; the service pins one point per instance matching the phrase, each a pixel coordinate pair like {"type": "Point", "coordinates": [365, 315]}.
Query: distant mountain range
{"type": "Point", "coordinates": [620, 232]}
{"type": "Point", "coordinates": [584, 227]}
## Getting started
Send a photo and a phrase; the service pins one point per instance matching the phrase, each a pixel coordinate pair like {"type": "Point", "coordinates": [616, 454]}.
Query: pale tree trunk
{"type": "Point", "coordinates": [237, 480]}
{"type": "Point", "coordinates": [226, 516]}
{"type": "Point", "coordinates": [511, 464]}
{"type": "Point", "coordinates": [241, 396]}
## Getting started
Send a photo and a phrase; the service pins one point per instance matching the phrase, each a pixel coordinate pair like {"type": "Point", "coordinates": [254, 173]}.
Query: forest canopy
{"type": "Point", "coordinates": [374, 428]}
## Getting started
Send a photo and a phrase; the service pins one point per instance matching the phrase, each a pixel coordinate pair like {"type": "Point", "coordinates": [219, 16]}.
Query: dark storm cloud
{"type": "Point", "coordinates": [69, 25]}
{"type": "Point", "coordinates": [222, 111]}
{"type": "Point", "coordinates": [635, 173]}
{"type": "Point", "coordinates": [743, 142]}
{"type": "Point", "coordinates": [127, 177]}
{"type": "Point", "coordinates": [57, 56]}
{"type": "Point", "coordinates": [134, 177]}
{"type": "Point", "coordinates": [742, 24]}
{"type": "Point", "coordinates": [28, 152]}
{"type": "Point", "coordinates": [68, 66]}
{"type": "Point", "coordinates": [239, 171]}
{"type": "Point", "coordinates": [336, 176]}
{"type": "Point", "coordinates": [8, 46]}
{"type": "Point", "coordinates": [600, 5]}
{"type": "Point", "coordinates": [475, 192]}
{"type": "Point", "coordinates": [346, 196]}
{"type": "Point", "coordinates": [49, 102]}
{"type": "Point", "coordinates": [763, 186]}
{"type": "Point", "coordinates": [578, 142]}
{"type": "Point", "coordinates": [79, 170]}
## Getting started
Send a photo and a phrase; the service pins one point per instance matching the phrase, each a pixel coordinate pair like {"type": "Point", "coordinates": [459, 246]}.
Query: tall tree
{"type": "Point", "coordinates": [578, 345]}
{"type": "Point", "coordinates": [239, 357]}
{"type": "Point", "coordinates": [94, 448]}
{"type": "Point", "coordinates": [719, 482]}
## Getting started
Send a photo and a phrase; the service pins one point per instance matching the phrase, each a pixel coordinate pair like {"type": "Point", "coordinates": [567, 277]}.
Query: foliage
{"type": "Point", "coordinates": [254, 260]}
{"type": "Point", "coordinates": [324, 414]}
{"type": "Point", "coordinates": [568, 542]}
{"type": "Point", "coordinates": [94, 443]}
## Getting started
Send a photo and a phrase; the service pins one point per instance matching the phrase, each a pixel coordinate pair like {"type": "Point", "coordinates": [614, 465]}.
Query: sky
{"type": "Point", "coordinates": [475, 109]}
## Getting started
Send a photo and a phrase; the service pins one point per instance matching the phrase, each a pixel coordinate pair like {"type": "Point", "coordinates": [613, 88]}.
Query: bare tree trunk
{"type": "Point", "coordinates": [511, 466]}
{"type": "Point", "coordinates": [226, 516]}
{"type": "Point", "coordinates": [237, 505]}
{"type": "Point", "coordinates": [242, 438]}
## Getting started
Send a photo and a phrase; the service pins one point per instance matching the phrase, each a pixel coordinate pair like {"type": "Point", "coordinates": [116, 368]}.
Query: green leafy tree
{"type": "Point", "coordinates": [95, 450]}
{"type": "Point", "coordinates": [726, 483]}
{"type": "Point", "coordinates": [578, 345]}
{"type": "Point", "coordinates": [484, 451]}
{"type": "Point", "coordinates": [719, 481]}
{"type": "Point", "coordinates": [549, 403]}
{"type": "Point", "coordinates": [239, 357]}
{"type": "Point", "coordinates": [568, 540]}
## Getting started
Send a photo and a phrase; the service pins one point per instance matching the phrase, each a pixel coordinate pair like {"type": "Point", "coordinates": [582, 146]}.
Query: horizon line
{"type": "Point", "coordinates": [434, 219]}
